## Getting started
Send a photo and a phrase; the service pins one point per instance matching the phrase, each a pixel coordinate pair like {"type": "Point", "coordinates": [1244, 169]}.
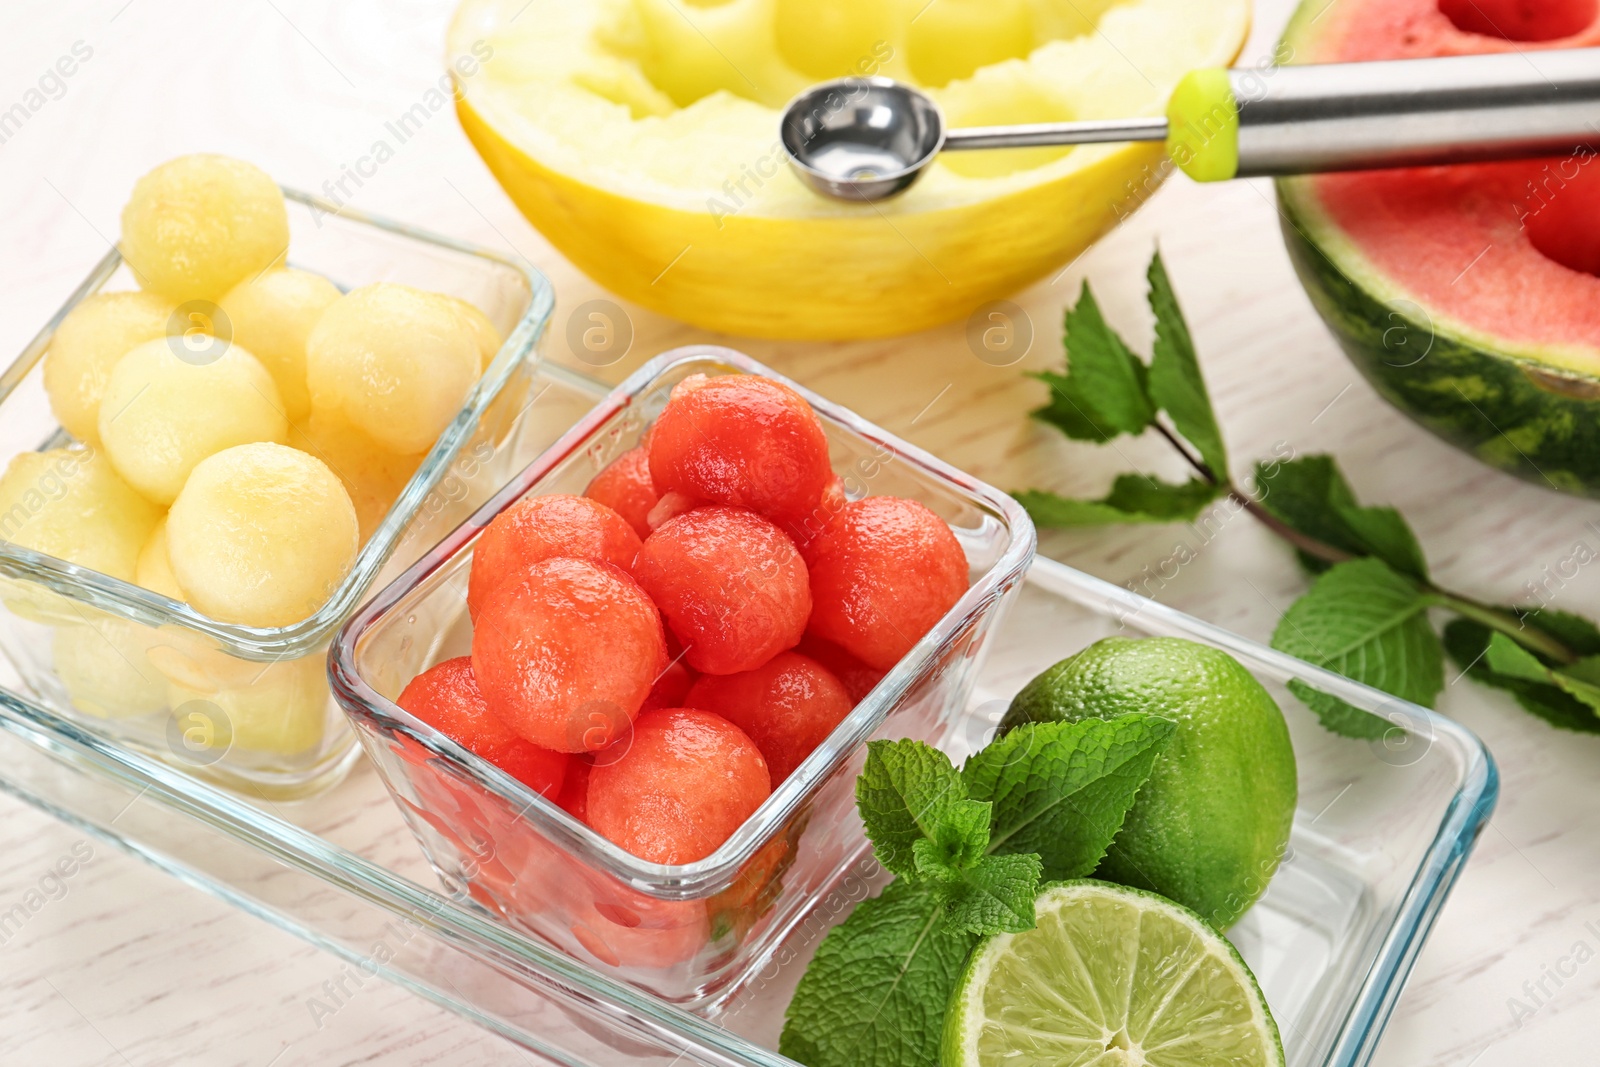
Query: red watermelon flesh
{"type": "Point", "coordinates": [1509, 250]}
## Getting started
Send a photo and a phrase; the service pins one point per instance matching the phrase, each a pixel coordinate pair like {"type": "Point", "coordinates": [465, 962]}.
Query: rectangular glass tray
{"type": "Point", "coordinates": [1380, 835]}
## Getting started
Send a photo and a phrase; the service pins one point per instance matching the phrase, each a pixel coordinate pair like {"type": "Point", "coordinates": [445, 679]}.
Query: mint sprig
{"type": "Point", "coordinates": [1367, 614]}
{"type": "Point", "coordinates": [966, 846]}
{"type": "Point", "coordinates": [910, 792]}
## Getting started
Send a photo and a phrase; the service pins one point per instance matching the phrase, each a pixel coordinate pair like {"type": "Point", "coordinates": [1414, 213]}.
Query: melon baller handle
{"type": "Point", "coordinates": [1394, 113]}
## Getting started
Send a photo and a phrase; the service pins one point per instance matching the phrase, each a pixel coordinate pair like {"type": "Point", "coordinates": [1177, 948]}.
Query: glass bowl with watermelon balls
{"type": "Point", "coordinates": [624, 705]}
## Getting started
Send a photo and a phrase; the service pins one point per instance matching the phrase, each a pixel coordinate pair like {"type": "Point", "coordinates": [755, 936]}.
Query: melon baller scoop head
{"type": "Point", "coordinates": [868, 139]}
{"type": "Point", "coordinates": [871, 138]}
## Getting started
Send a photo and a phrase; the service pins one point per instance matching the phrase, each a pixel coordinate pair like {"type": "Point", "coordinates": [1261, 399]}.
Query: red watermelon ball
{"type": "Point", "coordinates": [882, 574]}
{"type": "Point", "coordinates": [787, 706]}
{"type": "Point", "coordinates": [544, 527]}
{"type": "Point", "coordinates": [447, 698]}
{"type": "Point", "coordinates": [671, 687]}
{"type": "Point", "coordinates": [567, 653]}
{"type": "Point", "coordinates": [625, 487]}
{"type": "Point", "coordinates": [669, 507]}
{"type": "Point", "coordinates": [687, 780]}
{"type": "Point", "coordinates": [574, 795]}
{"type": "Point", "coordinates": [731, 585]}
{"type": "Point", "coordinates": [1519, 20]}
{"type": "Point", "coordinates": [741, 440]}
{"type": "Point", "coordinates": [804, 532]}
{"type": "Point", "coordinates": [858, 678]}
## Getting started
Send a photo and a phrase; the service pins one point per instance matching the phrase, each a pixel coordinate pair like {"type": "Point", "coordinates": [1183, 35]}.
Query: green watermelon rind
{"type": "Point", "coordinates": [1519, 414]}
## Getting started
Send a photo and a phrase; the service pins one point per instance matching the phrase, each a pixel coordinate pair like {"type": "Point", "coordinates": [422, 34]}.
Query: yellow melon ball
{"type": "Point", "coordinates": [271, 315]}
{"type": "Point", "coordinates": [163, 413]}
{"type": "Point", "coordinates": [484, 335]}
{"type": "Point", "coordinates": [154, 571]}
{"type": "Point", "coordinates": [69, 503]}
{"type": "Point", "coordinates": [198, 225]}
{"type": "Point", "coordinates": [372, 475]}
{"type": "Point", "coordinates": [396, 362]}
{"type": "Point", "coordinates": [85, 347]}
{"type": "Point", "coordinates": [105, 667]}
{"type": "Point", "coordinates": [281, 709]}
{"type": "Point", "coordinates": [261, 535]}
{"type": "Point", "coordinates": [189, 659]}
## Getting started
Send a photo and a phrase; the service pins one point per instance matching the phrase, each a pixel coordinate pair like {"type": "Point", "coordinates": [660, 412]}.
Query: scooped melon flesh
{"type": "Point", "coordinates": [640, 136]}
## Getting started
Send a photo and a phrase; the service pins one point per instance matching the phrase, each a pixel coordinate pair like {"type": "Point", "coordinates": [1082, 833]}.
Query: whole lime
{"type": "Point", "coordinates": [1212, 822]}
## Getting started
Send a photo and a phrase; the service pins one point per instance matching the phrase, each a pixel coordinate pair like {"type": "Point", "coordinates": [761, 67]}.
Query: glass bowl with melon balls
{"type": "Point", "coordinates": [624, 705]}
{"type": "Point", "coordinates": [251, 409]}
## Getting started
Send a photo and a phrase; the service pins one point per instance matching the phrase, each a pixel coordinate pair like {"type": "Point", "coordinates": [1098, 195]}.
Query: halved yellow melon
{"type": "Point", "coordinates": [641, 137]}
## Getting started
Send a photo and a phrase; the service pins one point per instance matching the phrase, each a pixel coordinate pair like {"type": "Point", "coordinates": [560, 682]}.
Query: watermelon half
{"type": "Point", "coordinates": [1468, 295]}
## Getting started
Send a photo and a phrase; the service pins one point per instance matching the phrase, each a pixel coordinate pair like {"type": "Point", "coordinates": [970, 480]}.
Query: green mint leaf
{"type": "Point", "coordinates": [909, 791]}
{"type": "Point", "coordinates": [1061, 790]}
{"type": "Point", "coordinates": [1468, 644]}
{"type": "Point", "coordinates": [1574, 631]}
{"type": "Point", "coordinates": [1311, 495]}
{"type": "Point", "coordinates": [1506, 657]}
{"type": "Point", "coordinates": [1134, 498]}
{"type": "Point", "coordinates": [960, 837]}
{"type": "Point", "coordinates": [1176, 384]}
{"type": "Point", "coordinates": [1104, 392]}
{"type": "Point", "coordinates": [875, 993]}
{"type": "Point", "coordinates": [1577, 633]}
{"type": "Point", "coordinates": [1581, 680]}
{"type": "Point", "coordinates": [994, 897]}
{"type": "Point", "coordinates": [1072, 412]}
{"type": "Point", "coordinates": [1363, 620]}
{"type": "Point", "coordinates": [1108, 373]}
{"type": "Point", "coordinates": [1339, 716]}
{"type": "Point", "coordinates": [933, 862]}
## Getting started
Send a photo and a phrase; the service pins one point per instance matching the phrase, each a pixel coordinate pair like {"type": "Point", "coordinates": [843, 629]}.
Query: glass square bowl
{"type": "Point", "coordinates": [1381, 831]}
{"type": "Point", "coordinates": [691, 934]}
{"type": "Point", "coordinates": [249, 706]}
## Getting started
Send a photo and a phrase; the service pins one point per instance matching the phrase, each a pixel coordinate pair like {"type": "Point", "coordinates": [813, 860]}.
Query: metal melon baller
{"type": "Point", "coordinates": [870, 138]}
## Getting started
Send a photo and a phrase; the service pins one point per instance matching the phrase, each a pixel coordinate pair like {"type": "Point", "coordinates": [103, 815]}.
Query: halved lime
{"type": "Point", "coordinates": [1110, 977]}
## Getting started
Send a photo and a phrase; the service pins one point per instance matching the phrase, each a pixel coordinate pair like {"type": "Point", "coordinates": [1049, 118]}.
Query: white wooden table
{"type": "Point", "coordinates": [122, 965]}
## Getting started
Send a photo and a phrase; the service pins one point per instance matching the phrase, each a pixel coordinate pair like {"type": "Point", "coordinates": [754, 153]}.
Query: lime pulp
{"type": "Point", "coordinates": [1110, 977]}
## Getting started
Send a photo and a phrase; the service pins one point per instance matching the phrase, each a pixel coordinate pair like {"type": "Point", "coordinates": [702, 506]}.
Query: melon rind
{"type": "Point", "coordinates": [1512, 412]}
{"type": "Point", "coordinates": [1528, 413]}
